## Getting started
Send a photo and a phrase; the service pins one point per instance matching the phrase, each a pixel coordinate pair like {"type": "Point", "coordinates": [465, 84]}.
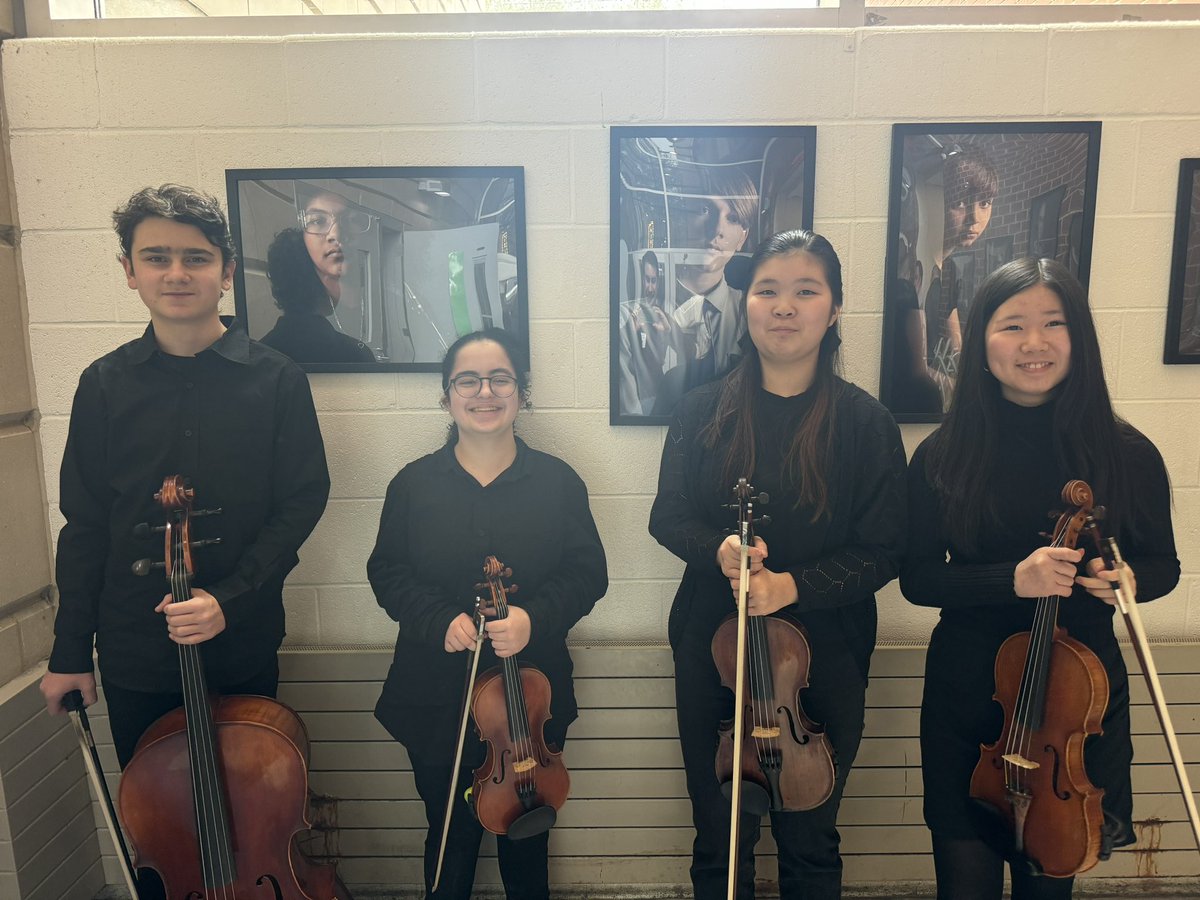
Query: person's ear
{"type": "Point", "coordinates": [127, 265]}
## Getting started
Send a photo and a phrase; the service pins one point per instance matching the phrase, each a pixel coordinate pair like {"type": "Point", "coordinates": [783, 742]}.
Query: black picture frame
{"type": "Point", "coordinates": [413, 258]}
{"type": "Point", "coordinates": [1182, 343]}
{"type": "Point", "coordinates": [669, 331]}
{"type": "Point", "coordinates": [939, 210]}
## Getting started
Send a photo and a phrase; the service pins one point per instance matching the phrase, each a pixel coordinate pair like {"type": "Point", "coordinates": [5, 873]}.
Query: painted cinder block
{"type": "Point", "coordinates": [364, 452]}
{"type": "Point", "coordinates": [607, 78]}
{"type": "Point", "coordinates": [554, 365]}
{"type": "Point", "coordinates": [1161, 144]}
{"type": "Point", "coordinates": [1123, 68]}
{"type": "Point", "coordinates": [24, 564]}
{"type": "Point", "coordinates": [51, 84]}
{"type": "Point", "coordinates": [349, 614]}
{"type": "Point", "coordinates": [590, 174]}
{"type": "Point", "coordinates": [218, 150]}
{"type": "Point", "coordinates": [16, 392]}
{"type": "Point", "coordinates": [568, 272]}
{"type": "Point", "coordinates": [413, 81]}
{"type": "Point", "coordinates": [85, 291]}
{"type": "Point", "coordinates": [982, 73]}
{"type": "Point", "coordinates": [1123, 280]}
{"type": "Point", "coordinates": [763, 76]}
{"type": "Point", "coordinates": [62, 352]}
{"type": "Point", "coordinates": [178, 69]}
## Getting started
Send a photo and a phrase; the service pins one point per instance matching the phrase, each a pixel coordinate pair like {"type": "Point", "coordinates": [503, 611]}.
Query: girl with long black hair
{"type": "Point", "coordinates": [1030, 412]}
{"type": "Point", "coordinates": [831, 460]}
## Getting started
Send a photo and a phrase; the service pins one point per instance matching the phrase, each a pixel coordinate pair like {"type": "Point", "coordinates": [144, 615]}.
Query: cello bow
{"type": "Point", "coordinates": [73, 703]}
{"type": "Point", "coordinates": [1127, 603]}
{"type": "Point", "coordinates": [462, 731]}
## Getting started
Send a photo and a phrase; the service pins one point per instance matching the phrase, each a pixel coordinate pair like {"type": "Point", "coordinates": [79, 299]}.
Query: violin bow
{"type": "Point", "coordinates": [739, 696]}
{"type": "Point", "coordinates": [73, 702]}
{"type": "Point", "coordinates": [1127, 603]}
{"type": "Point", "coordinates": [462, 731]}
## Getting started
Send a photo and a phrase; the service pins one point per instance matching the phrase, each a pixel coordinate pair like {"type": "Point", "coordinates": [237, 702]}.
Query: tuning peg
{"type": "Point", "coordinates": [764, 498]}
{"type": "Point", "coordinates": [763, 520]}
{"type": "Point", "coordinates": [512, 588]}
{"type": "Point", "coordinates": [1099, 513]}
{"type": "Point", "coordinates": [144, 529]}
{"type": "Point", "coordinates": [1047, 535]}
{"type": "Point", "coordinates": [216, 511]}
{"type": "Point", "coordinates": [1054, 514]}
{"type": "Point", "coordinates": [144, 566]}
{"type": "Point", "coordinates": [204, 543]}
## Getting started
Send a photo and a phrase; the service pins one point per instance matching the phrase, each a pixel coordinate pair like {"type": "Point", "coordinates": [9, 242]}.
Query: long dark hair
{"type": "Point", "coordinates": [737, 403]}
{"type": "Point", "coordinates": [511, 347]}
{"type": "Point", "coordinates": [964, 454]}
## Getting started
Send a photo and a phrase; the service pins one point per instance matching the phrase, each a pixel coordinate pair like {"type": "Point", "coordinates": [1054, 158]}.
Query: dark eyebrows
{"type": "Point", "coordinates": [188, 251]}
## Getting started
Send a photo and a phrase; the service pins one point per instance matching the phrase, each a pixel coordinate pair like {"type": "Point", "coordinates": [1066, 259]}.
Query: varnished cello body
{"type": "Point", "coordinates": [217, 790]}
{"type": "Point", "coordinates": [1054, 691]}
{"type": "Point", "coordinates": [261, 751]}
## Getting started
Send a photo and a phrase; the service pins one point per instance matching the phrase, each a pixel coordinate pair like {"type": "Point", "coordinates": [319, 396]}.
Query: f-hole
{"type": "Point", "coordinates": [798, 738]}
{"type": "Point", "coordinates": [1060, 794]}
{"type": "Point", "coordinates": [274, 884]}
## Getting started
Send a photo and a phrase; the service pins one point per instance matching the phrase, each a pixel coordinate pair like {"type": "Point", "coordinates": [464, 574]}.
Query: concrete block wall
{"type": "Point", "coordinates": [91, 120]}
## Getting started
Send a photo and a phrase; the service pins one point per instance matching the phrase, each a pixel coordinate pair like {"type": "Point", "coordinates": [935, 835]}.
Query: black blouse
{"type": "Point", "coordinates": [438, 526]}
{"type": "Point", "coordinates": [838, 562]}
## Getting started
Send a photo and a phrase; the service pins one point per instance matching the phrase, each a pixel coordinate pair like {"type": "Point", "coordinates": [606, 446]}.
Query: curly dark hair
{"type": "Point", "coordinates": [179, 204]}
{"type": "Point", "coordinates": [295, 284]}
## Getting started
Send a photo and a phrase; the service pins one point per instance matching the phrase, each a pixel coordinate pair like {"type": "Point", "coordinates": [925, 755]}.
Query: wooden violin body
{"type": "Point", "coordinates": [261, 751]}
{"type": "Point", "coordinates": [1053, 810]}
{"type": "Point", "coordinates": [784, 753]}
{"type": "Point", "coordinates": [1054, 691]}
{"type": "Point", "coordinates": [522, 784]}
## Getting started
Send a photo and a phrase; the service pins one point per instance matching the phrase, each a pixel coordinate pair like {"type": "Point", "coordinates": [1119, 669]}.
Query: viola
{"type": "Point", "coordinates": [522, 784]}
{"type": "Point", "coordinates": [771, 755]}
{"type": "Point", "coordinates": [217, 790]}
{"type": "Point", "coordinates": [1054, 691]}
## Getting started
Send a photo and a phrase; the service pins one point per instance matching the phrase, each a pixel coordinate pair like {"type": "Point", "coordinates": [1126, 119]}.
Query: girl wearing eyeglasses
{"type": "Point", "coordinates": [485, 492]}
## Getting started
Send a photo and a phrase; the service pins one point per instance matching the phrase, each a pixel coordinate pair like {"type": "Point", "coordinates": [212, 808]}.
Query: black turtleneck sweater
{"type": "Point", "coordinates": [980, 608]}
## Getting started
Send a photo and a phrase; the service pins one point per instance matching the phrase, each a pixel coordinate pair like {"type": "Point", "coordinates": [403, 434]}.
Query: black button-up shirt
{"type": "Point", "coordinates": [438, 525]}
{"type": "Point", "coordinates": [237, 420]}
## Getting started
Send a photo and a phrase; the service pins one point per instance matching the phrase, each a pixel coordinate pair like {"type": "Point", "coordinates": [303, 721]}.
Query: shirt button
{"type": "Point", "coordinates": [188, 433]}
{"type": "Point", "coordinates": [188, 385]}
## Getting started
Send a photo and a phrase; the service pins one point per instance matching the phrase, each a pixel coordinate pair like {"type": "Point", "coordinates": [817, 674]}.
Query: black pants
{"type": "Point", "coordinates": [810, 866]}
{"type": "Point", "coordinates": [131, 713]}
{"type": "Point", "coordinates": [523, 863]}
{"type": "Point", "coordinates": [971, 870]}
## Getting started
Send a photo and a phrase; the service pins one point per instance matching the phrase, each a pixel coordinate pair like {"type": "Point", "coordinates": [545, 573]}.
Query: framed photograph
{"type": "Point", "coordinates": [685, 203]}
{"type": "Point", "coordinates": [964, 200]}
{"type": "Point", "coordinates": [1183, 300]}
{"type": "Point", "coordinates": [378, 269]}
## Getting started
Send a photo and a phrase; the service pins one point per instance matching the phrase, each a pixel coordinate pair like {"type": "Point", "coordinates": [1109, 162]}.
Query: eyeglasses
{"type": "Point", "coordinates": [470, 385]}
{"type": "Point", "coordinates": [352, 221]}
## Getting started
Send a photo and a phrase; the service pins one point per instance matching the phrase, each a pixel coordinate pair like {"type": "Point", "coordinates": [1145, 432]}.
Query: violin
{"type": "Point", "coordinates": [522, 784]}
{"type": "Point", "coordinates": [217, 790]}
{"type": "Point", "coordinates": [1054, 691]}
{"type": "Point", "coordinates": [784, 760]}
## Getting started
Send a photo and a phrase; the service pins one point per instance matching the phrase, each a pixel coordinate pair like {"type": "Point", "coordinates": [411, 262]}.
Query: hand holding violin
{"type": "Point", "coordinates": [1047, 572]}
{"type": "Point", "coordinates": [1099, 581]}
{"type": "Point", "coordinates": [769, 592]}
{"type": "Point", "coordinates": [729, 557]}
{"type": "Point", "coordinates": [193, 621]}
{"type": "Point", "coordinates": [461, 634]}
{"type": "Point", "coordinates": [510, 635]}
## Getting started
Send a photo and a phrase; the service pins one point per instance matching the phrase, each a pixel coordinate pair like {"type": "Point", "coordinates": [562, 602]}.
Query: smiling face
{"type": "Point", "coordinates": [1029, 346]}
{"type": "Point", "coordinates": [789, 308]}
{"type": "Point", "coordinates": [177, 271]}
{"type": "Point", "coordinates": [484, 414]}
{"type": "Point", "coordinates": [649, 282]}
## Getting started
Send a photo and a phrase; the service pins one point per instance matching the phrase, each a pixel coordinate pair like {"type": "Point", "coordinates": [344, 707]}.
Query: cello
{"type": "Point", "coordinates": [1054, 691]}
{"type": "Point", "coordinates": [771, 755]}
{"type": "Point", "coordinates": [217, 790]}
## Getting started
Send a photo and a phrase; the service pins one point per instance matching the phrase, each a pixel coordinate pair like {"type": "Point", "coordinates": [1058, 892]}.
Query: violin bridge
{"type": "Point", "coordinates": [524, 765]}
{"type": "Point", "coordinates": [762, 731]}
{"type": "Point", "coordinates": [1018, 760]}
